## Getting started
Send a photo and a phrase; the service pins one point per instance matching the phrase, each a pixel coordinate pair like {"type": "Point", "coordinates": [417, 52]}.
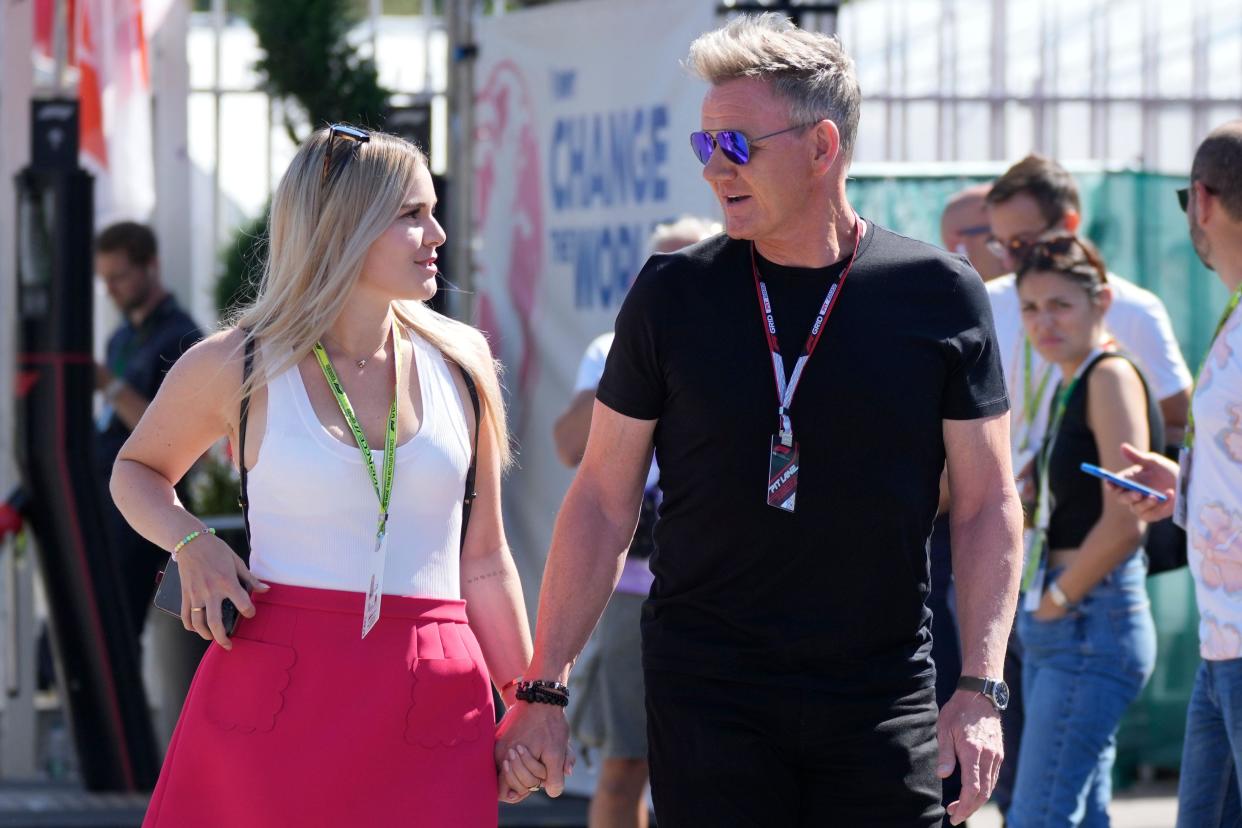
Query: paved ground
{"type": "Point", "coordinates": [1143, 806]}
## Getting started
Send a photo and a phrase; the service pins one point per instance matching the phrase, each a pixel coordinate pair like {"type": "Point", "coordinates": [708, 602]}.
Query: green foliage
{"type": "Point", "coordinates": [243, 266]}
{"type": "Point", "coordinates": [308, 58]}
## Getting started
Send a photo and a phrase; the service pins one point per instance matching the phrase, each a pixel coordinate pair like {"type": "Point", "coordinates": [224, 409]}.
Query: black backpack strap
{"type": "Point", "coordinates": [468, 500]}
{"type": "Point", "coordinates": [247, 369]}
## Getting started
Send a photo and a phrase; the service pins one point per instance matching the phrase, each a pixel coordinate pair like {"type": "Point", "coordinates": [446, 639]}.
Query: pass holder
{"type": "Point", "coordinates": [375, 579]}
{"type": "Point", "coordinates": [1185, 462]}
{"type": "Point", "coordinates": [783, 471]}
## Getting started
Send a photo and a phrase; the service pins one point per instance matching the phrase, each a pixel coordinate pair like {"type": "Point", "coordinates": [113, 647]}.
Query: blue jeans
{"type": "Point", "coordinates": [1080, 674]}
{"type": "Point", "coordinates": [1208, 793]}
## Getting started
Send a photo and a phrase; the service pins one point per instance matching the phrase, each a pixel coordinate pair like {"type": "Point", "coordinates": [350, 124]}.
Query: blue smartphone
{"type": "Point", "coordinates": [1105, 474]}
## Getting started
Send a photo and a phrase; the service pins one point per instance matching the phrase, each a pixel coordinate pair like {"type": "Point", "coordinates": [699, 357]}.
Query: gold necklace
{"type": "Point", "coordinates": [360, 363]}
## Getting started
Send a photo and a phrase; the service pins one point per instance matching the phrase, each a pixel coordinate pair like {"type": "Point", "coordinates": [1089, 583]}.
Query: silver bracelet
{"type": "Point", "coordinates": [1058, 595]}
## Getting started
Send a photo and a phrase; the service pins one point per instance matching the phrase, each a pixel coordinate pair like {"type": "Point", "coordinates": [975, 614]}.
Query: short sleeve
{"type": "Point", "coordinates": [1150, 341]}
{"type": "Point", "coordinates": [975, 385]}
{"type": "Point", "coordinates": [592, 366]}
{"type": "Point", "coordinates": [633, 381]}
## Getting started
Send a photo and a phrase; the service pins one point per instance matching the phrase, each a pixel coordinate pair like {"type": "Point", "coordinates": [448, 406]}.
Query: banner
{"type": "Point", "coordinates": [583, 113]}
{"type": "Point", "coordinates": [110, 51]}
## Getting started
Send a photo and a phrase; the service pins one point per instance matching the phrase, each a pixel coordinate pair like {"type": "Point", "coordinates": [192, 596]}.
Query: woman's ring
{"type": "Point", "coordinates": [197, 609]}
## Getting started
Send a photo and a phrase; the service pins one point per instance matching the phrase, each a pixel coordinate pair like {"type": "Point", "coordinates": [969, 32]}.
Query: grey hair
{"type": "Point", "coordinates": [808, 69]}
{"type": "Point", "coordinates": [683, 232]}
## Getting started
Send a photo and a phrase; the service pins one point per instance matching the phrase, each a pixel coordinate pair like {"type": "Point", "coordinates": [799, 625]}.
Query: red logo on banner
{"type": "Point", "coordinates": [509, 219]}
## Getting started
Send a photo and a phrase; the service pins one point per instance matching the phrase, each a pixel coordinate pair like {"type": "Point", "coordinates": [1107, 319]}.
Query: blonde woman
{"type": "Point", "coordinates": [354, 689]}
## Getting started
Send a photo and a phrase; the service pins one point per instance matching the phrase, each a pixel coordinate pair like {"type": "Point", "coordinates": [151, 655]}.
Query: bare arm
{"type": "Point", "coordinates": [572, 427]}
{"type": "Point", "coordinates": [191, 412]}
{"type": "Point", "coordinates": [1116, 413]}
{"type": "Point", "coordinates": [489, 579]}
{"type": "Point", "coordinates": [986, 527]}
{"type": "Point", "coordinates": [593, 531]}
{"type": "Point", "coordinates": [1175, 410]}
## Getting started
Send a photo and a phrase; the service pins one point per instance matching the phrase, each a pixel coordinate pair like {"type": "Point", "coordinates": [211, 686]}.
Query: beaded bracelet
{"type": "Point", "coordinates": [543, 692]}
{"type": "Point", "coordinates": [190, 537]}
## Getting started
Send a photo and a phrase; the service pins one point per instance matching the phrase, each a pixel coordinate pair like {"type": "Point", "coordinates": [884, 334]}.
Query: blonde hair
{"type": "Point", "coordinates": [808, 69]}
{"type": "Point", "coordinates": [319, 235]}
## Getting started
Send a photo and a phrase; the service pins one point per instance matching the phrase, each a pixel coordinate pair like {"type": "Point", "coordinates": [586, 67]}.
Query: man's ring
{"type": "Point", "coordinates": [197, 609]}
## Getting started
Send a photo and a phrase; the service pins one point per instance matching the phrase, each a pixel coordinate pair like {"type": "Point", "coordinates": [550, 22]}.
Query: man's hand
{"type": "Point", "coordinates": [542, 732]}
{"type": "Point", "coordinates": [969, 731]}
{"type": "Point", "coordinates": [102, 377]}
{"type": "Point", "coordinates": [1153, 470]}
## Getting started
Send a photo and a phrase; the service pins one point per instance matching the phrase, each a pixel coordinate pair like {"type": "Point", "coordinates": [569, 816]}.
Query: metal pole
{"type": "Point", "coordinates": [462, 50]}
{"type": "Point", "coordinates": [996, 140]}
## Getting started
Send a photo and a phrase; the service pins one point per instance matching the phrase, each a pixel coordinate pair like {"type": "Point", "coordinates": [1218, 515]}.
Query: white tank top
{"type": "Point", "coordinates": [313, 509]}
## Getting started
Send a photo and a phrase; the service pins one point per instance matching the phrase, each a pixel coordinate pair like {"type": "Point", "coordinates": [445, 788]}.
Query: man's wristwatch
{"type": "Point", "coordinates": [994, 690]}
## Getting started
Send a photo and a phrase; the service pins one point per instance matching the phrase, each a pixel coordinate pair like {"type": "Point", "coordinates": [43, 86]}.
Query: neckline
{"type": "Point", "coordinates": [350, 450]}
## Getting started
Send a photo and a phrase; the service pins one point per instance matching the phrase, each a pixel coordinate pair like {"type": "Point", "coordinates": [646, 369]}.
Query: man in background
{"type": "Point", "coordinates": [609, 712]}
{"type": "Point", "coordinates": [1205, 496]}
{"type": "Point", "coordinates": [154, 334]}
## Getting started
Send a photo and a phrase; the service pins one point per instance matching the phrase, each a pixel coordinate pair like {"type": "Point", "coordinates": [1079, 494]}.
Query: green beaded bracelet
{"type": "Point", "coordinates": [190, 537]}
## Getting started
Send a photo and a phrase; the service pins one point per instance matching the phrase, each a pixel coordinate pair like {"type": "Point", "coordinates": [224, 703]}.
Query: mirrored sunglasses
{"type": "Point", "coordinates": [735, 145]}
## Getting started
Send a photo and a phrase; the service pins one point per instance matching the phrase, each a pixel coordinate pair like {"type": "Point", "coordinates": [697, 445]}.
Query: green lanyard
{"type": "Point", "coordinates": [1189, 440]}
{"type": "Point", "coordinates": [390, 436]}
{"type": "Point", "coordinates": [1032, 396]}
{"type": "Point", "coordinates": [1043, 508]}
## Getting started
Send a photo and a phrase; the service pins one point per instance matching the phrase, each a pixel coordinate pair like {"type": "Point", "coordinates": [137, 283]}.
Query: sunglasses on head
{"type": "Point", "coordinates": [345, 133]}
{"type": "Point", "coordinates": [1052, 254]}
{"type": "Point", "coordinates": [735, 145]}
{"type": "Point", "coordinates": [1183, 195]}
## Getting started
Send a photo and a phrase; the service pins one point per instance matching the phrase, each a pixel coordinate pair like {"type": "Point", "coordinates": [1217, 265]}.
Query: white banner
{"type": "Point", "coordinates": [583, 115]}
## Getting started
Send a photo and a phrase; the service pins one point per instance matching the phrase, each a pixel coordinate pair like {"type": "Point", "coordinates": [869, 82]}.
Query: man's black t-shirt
{"type": "Point", "coordinates": [836, 590]}
{"type": "Point", "coordinates": [142, 355]}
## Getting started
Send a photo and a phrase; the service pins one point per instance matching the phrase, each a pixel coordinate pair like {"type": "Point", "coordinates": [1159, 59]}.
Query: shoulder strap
{"type": "Point", "coordinates": [468, 500]}
{"type": "Point", "coordinates": [247, 369]}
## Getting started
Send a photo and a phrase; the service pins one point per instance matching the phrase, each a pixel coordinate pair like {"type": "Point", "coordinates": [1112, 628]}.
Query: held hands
{"type": "Point", "coordinates": [1154, 471]}
{"type": "Point", "coordinates": [969, 732]}
{"type": "Point", "coordinates": [532, 750]}
{"type": "Point", "coordinates": [210, 572]}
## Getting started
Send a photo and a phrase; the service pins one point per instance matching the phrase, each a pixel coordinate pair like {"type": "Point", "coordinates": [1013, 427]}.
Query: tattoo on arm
{"type": "Point", "coordinates": [494, 573]}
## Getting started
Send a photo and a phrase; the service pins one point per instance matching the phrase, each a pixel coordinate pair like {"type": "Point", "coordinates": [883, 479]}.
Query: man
{"type": "Point", "coordinates": [611, 717]}
{"type": "Point", "coordinates": [1038, 197]}
{"type": "Point", "coordinates": [154, 334]}
{"type": "Point", "coordinates": [1205, 495]}
{"type": "Point", "coordinates": [966, 230]}
{"type": "Point", "coordinates": [785, 642]}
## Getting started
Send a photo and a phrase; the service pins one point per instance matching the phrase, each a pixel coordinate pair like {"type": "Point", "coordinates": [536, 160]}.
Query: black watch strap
{"type": "Point", "coordinates": [994, 690]}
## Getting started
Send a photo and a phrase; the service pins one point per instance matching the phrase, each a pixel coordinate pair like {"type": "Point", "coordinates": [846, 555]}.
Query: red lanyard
{"type": "Point", "coordinates": [785, 390]}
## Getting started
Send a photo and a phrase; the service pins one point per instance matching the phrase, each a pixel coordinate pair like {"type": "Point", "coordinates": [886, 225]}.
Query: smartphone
{"type": "Point", "coordinates": [1105, 474]}
{"type": "Point", "coordinates": [168, 598]}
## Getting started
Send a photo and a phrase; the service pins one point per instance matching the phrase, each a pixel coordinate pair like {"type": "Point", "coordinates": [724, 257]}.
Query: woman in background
{"type": "Point", "coordinates": [1085, 623]}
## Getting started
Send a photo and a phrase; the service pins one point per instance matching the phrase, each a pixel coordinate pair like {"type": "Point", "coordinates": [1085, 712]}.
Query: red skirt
{"type": "Point", "coordinates": [305, 723]}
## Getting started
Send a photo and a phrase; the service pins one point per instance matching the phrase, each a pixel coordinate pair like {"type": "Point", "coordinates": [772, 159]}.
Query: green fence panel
{"type": "Point", "coordinates": [1134, 218]}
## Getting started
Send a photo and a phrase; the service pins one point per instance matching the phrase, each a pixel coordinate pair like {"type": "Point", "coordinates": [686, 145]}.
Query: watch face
{"type": "Point", "coordinates": [1000, 695]}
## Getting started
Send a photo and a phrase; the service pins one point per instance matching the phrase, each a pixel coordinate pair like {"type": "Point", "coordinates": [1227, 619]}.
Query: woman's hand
{"type": "Point", "coordinates": [211, 572]}
{"type": "Point", "coordinates": [1048, 609]}
{"type": "Point", "coordinates": [521, 774]}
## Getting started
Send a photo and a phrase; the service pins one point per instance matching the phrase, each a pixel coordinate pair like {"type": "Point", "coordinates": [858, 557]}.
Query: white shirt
{"type": "Point", "coordinates": [1214, 514]}
{"type": "Point", "coordinates": [1137, 320]}
{"type": "Point", "coordinates": [636, 578]}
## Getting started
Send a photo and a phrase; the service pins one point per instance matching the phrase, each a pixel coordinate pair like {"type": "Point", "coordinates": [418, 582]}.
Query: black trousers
{"type": "Point", "coordinates": [735, 754]}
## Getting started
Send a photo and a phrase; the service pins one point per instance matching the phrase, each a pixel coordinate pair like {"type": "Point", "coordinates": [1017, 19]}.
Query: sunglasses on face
{"type": "Point", "coordinates": [735, 145]}
{"type": "Point", "coordinates": [1183, 195]}
{"type": "Point", "coordinates": [345, 133]}
{"type": "Point", "coordinates": [1017, 248]}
